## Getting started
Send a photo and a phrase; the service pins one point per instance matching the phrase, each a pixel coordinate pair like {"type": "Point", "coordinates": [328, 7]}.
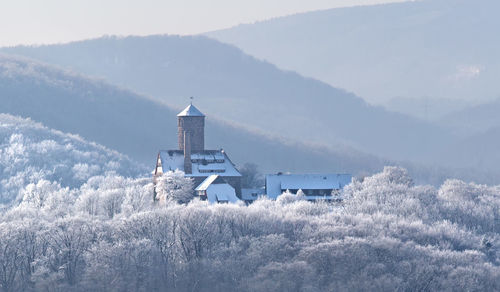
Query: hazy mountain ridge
{"type": "Point", "coordinates": [438, 48]}
{"type": "Point", "coordinates": [474, 119]}
{"type": "Point", "coordinates": [272, 155]}
{"type": "Point", "coordinates": [139, 127]}
{"type": "Point", "coordinates": [479, 127]}
{"type": "Point", "coordinates": [240, 88]}
{"type": "Point", "coordinates": [427, 109]}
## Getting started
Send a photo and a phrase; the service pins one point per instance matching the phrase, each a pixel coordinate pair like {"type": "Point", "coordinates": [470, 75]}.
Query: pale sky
{"type": "Point", "coordinates": [53, 21]}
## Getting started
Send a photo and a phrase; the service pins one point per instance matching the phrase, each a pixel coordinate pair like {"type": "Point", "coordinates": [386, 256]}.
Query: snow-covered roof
{"type": "Point", "coordinates": [207, 182]}
{"type": "Point", "coordinates": [191, 111]}
{"type": "Point", "coordinates": [204, 163]}
{"type": "Point", "coordinates": [217, 190]}
{"type": "Point", "coordinates": [222, 193]}
{"type": "Point", "coordinates": [277, 183]}
{"type": "Point", "coordinates": [212, 167]}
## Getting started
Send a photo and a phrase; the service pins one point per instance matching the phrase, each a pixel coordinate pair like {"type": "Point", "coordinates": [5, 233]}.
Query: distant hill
{"type": "Point", "coordinates": [479, 149]}
{"type": "Point", "coordinates": [426, 108]}
{"type": "Point", "coordinates": [139, 127]}
{"type": "Point", "coordinates": [233, 86]}
{"type": "Point", "coordinates": [30, 151]}
{"type": "Point", "coordinates": [474, 119]}
{"type": "Point", "coordinates": [417, 49]}
{"type": "Point", "coordinates": [479, 127]}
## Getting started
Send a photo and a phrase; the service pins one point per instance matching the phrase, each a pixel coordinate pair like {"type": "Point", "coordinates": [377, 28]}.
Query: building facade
{"type": "Point", "coordinates": [314, 186]}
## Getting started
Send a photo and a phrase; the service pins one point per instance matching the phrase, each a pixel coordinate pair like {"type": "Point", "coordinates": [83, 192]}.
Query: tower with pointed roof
{"type": "Point", "coordinates": [192, 158]}
{"type": "Point", "coordinates": [191, 129]}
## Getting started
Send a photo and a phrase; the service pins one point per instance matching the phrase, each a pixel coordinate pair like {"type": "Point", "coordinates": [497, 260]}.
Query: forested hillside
{"type": "Point", "coordinates": [30, 152]}
{"type": "Point", "coordinates": [138, 127]}
{"type": "Point", "coordinates": [389, 235]}
{"type": "Point", "coordinates": [230, 85]}
{"type": "Point", "coordinates": [429, 49]}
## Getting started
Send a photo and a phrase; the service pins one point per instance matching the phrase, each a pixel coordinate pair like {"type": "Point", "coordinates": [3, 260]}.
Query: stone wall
{"type": "Point", "coordinates": [195, 127]}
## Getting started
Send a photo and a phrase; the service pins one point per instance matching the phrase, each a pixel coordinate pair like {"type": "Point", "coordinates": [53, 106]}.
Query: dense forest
{"type": "Point", "coordinates": [388, 234]}
{"type": "Point", "coordinates": [76, 216]}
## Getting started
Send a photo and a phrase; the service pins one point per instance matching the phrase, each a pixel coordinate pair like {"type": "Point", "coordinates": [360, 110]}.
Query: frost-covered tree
{"type": "Point", "coordinates": [387, 234]}
{"type": "Point", "coordinates": [10, 257]}
{"type": "Point", "coordinates": [138, 196]}
{"type": "Point", "coordinates": [173, 186]}
{"type": "Point", "coordinates": [30, 152]}
{"type": "Point", "coordinates": [288, 197]}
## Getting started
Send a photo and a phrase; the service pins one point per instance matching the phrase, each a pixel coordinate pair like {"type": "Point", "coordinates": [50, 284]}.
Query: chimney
{"type": "Point", "coordinates": [188, 166]}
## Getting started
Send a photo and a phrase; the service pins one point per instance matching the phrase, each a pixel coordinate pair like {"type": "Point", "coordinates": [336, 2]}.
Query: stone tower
{"type": "Point", "coordinates": [191, 122]}
{"type": "Point", "coordinates": [191, 134]}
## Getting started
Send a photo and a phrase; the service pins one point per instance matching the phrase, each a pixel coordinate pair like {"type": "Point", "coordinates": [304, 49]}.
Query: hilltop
{"type": "Point", "coordinates": [230, 85]}
{"type": "Point", "coordinates": [430, 49]}
{"type": "Point", "coordinates": [138, 126]}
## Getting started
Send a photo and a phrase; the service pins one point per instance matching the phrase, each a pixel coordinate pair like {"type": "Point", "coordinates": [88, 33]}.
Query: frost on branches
{"type": "Point", "coordinates": [30, 152]}
{"type": "Point", "coordinates": [388, 234]}
{"type": "Point", "coordinates": [172, 186]}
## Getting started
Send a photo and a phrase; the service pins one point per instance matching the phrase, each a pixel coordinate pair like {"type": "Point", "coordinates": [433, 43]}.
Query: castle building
{"type": "Point", "coordinates": [192, 158]}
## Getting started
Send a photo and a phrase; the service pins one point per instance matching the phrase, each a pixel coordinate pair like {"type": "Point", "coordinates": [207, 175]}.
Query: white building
{"type": "Point", "coordinates": [314, 186]}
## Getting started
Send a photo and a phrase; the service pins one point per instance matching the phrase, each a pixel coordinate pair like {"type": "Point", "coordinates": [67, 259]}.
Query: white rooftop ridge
{"type": "Point", "coordinates": [221, 193]}
{"type": "Point", "coordinates": [191, 111]}
{"type": "Point", "coordinates": [207, 182]}
{"type": "Point", "coordinates": [204, 163]}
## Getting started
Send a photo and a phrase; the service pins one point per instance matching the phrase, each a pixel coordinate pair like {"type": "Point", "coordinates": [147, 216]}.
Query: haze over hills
{"type": "Point", "coordinates": [443, 49]}
{"type": "Point", "coordinates": [474, 119]}
{"type": "Point", "coordinates": [139, 127]}
{"type": "Point", "coordinates": [427, 108]}
{"type": "Point", "coordinates": [479, 127]}
{"type": "Point", "coordinates": [245, 91]}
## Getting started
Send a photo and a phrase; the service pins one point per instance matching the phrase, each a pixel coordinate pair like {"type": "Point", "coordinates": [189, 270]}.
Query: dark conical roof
{"type": "Point", "coordinates": [191, 111]}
